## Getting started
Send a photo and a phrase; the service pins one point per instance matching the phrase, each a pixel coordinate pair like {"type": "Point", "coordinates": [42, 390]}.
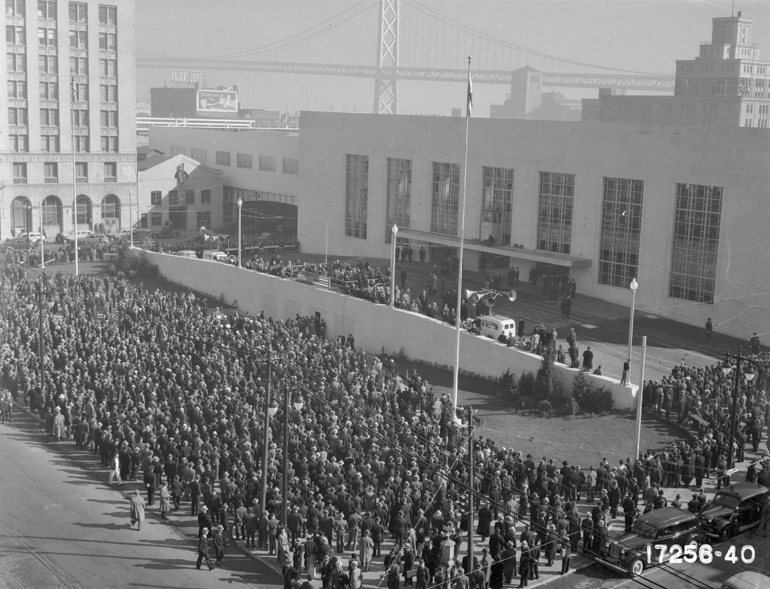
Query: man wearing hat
{"type": "Point", "coordinates": [524, 566]}
{"type": "Point", "coordinates": [219, 544]}
{"type": "Point", "coordinates": [203, 549]}
{"type": "Point", "coordinates": [204, 520]}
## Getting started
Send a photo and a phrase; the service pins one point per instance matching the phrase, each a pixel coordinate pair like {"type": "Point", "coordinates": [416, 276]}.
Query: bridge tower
{"type": "Point", "coordinates": [385, 81]}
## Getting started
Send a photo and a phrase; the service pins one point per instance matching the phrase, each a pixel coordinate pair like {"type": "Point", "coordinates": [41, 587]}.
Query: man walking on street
{"type": "Point", "coordinates": [137, 510]}
{"type": "Point", "coordinates": [203, 549]}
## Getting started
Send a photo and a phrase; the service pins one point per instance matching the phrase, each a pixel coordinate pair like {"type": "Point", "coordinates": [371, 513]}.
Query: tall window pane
{"type": "Point", "coordinates": [554, 228]}
{"type": "Point", "coordinates": [446, 198]}
{"type": "Point", "coordinates": [696, 241]}
{"type": "Point", "coordinates": [497, 204]}
{"type": "Point", "coordinates": [399, 195]}
{"type": "Point", "coordinates": [356, 195]}
{"type": "Point", "coordinates": [621, 231]}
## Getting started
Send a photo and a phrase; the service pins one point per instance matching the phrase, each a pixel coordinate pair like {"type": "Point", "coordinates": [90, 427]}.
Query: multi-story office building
{"type": "Point", "coordinates": [70, 75]}
{"type": "Point", "coordinates": [726, 86]}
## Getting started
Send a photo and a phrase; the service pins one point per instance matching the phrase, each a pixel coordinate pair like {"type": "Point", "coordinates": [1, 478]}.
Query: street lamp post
{"type": "Point", "coordinates": [42, 238]}
{"type": "Point", "coordinates": [749, 374]}
{"type": "Point", "coordinates": [393, 269]}
{"type": "Point", "coordinates": [240, 204]}
{"type": "Point", "coordinates": [633, 286]}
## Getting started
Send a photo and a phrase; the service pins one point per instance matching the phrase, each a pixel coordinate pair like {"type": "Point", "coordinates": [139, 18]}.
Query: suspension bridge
{"type": "Point", "coordinates": [414, 42]}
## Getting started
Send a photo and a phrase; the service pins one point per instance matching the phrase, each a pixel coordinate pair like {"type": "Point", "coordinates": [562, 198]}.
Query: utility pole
{"type": "Point", "coordinates": [470, 491]}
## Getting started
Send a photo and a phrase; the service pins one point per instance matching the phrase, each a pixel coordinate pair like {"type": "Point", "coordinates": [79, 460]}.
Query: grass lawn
{"type": "Point", "coordinates": [583, 440]}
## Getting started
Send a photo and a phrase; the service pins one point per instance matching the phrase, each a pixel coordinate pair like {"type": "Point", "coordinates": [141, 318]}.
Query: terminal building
{"type": "Point", "coordinates": [70, 75]}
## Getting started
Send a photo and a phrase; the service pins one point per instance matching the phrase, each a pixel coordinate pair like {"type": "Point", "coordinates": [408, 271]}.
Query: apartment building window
{"type": "Point", "coordinates": [290, 165]}
{"type": "Point", "coordinates": [267, 163]}
{"type": "Point", "coordinates": [78, 12]}
{"type": "Point", "coordinates": [156, 196]}
{"type": "Point", "coordinates": [177, 150]}
{"type": "Point", "coordinates": [109, 144]}
{"type": "Point", "coordinates": [19, 173]}
{"type": "Point", "coordinates": [189, 197]}
{"type": "Point", "coordinates": [205, 196]}
{"type": "Point", "coordinates": [51, 172]}
{"type": "Point", "coordinates": [108, 92]}
{"type": "Point", "coordinates": [15, 35]}
{"type": "Point", "coordinates": [357, 196]}
{"type": "Point", "coordinates": [79, 66]}
{"type": "Point", "coordinates": [399, 195]}
{"type": "Point", "coordinates": [110, 171]}
{"type": "Point", "coordinates": [49, 117]}
{"type": "Point", "coordinates": [244, 160]}
{"type": "Point", "coordinates": [46, 37]}
{"type": "Point", "coordinates": [17, 116]}
{"type": "Point", "coordinates": [696, 241]}
{"type": "Point", "coordinates": [109, 118]}
{"type": "Point", "coordinates": [446, 198]}
{"type": "Point", "coordinates": [156, 219]}
{"type": "Point", "coordinates": [49, 143]}
{"type": "Point", "coordinates": [81, 172]}
{"type": "Point", "coordinates": [199, 155]}
{"type": "Point", "coordinates": [46, 9]}
{"type": "Point", "coordinates": [19, 143]}
{"type": "Point", "coordinates": [621, 231]}
{"type": "Point", "coordinates": [108, 15]}
{"type": "Point", "coordinates": [108, 41]}
{"type": "Point", "coordinates": [557, 196]}
{"type": "Point", "coordinates": [49, 90]}
{"type": "Point", "coordinates": [173, 198]}
{"type": "Point", "coordinates": [78, 39]}
{"type": "Point", "coordinates": [108, 67]}
{"type": "Point", "coordinates": [497, 204]}
{"type": "Point", "coordinates": [14, 8]}
{"type": "Point", "coordinates": [16, 62]}
{"type": "Point", "coordinates": [82, 143]}
{"type": "Point", "coordinates": [223, 158]}
{"type": "Point", "coordinates": [48, 64]}
{"type": "Point", "coordinates": [17, 89]}
{"type": "Point", "coordinates": [80, 117]}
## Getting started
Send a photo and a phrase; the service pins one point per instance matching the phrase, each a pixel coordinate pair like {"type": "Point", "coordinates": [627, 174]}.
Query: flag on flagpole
{"type": "Point", "coordinates": [74, 90]}
{"type": "Point", "coordinates": [470, 95]}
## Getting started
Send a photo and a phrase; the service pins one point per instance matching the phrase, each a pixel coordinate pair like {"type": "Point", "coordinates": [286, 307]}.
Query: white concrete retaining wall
{"type": "Point", "coordinates": [373, 326]}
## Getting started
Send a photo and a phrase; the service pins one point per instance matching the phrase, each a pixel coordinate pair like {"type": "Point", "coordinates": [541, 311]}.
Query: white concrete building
{"type": "Point", "coordinates": [682, 210]}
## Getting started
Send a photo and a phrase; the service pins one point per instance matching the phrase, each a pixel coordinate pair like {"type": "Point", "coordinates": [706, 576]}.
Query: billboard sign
{"type": "Point", "coordinates": [218, 101]}
{"type": "Point", "coordinates": [185, 77]}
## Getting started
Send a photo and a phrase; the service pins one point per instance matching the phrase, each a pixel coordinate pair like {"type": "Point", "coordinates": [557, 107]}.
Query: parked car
{"type": "Point", "coordinates": [34, 238]}
{"type": "Point", "coordinates": [747, 580]}
{"type": "Point", "coordinates": [215, 256]}
{"type": "Point", "coordinates": [733, 510]}
{"type": "Point", "coordinates": [82, 234]}
{"type": "Point", "coordinates": [187, 254]}
{"type": "Point", "coordinates": [165, 232]}
{"type": "Point", "coordinates": [633, 552]}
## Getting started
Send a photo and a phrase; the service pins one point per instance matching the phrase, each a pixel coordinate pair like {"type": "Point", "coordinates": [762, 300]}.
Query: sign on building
{"type": "Point", "coordinates": [218, 101]}
{"type": "Point", "coordinates": [185, 77]}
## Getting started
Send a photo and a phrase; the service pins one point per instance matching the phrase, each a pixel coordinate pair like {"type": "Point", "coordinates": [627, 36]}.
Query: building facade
{"type": "Point", "coordinates": [180, 192]}
{"type": "Point", "coordinates": [683, 212]}
{"type": "Point", "coordinates": [726, 86]}
{"type": "Point", "coordinates": [70, 78]}
{"type": "Point", "coordinates": [257, 165]}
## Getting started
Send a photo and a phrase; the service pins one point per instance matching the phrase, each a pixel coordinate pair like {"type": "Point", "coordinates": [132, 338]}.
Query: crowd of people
{"type": "Point", "coordinates": [172, 395]}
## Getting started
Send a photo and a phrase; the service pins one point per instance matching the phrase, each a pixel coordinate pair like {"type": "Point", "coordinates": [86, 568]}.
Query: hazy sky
{"type": "Point", "coordinates": [632, 35]}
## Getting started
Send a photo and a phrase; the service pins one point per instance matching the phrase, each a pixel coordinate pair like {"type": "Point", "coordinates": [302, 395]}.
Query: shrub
{"type": "Point", "coordinates": [589, 399]}
{"type": "Point", "coordinates": [572, 406]}
{"type": "Point", "coordinates": [545, 408]}
{"type": "Point", "coordinates": [506, 379]}
{"type": "Point", "coordinates": [546, 386]}
{"type": "Point", "coordinates": [526, 382]}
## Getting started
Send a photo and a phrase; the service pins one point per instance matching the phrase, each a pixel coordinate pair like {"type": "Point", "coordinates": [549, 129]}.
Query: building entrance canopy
{"type": "Point", "coordinates": [542, 256]}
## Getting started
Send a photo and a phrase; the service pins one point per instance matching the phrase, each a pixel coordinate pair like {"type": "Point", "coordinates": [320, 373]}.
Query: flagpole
{"type": "Point", "coordinates": [74, 170]}
{"type": "Point", "coordinates": [461, 232]}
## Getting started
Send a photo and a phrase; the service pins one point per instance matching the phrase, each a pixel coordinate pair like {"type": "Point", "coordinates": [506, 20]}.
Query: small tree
{"type": "Point", "coordinates": [581, 388]}
{"type": "Point", "coordinates": [547, 386]}
{"type": "Point", "coordinates": [526, 382]}
{"type": "Point", "coordinates": [545, 408]}
{"type": "Point", "coordinates": [572, 406]}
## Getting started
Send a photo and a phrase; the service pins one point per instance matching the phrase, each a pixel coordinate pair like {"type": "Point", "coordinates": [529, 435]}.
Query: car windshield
{"type": "Point", "coordinates": [644, 529]}
{"type": "Point", "coordinates": [726, 500]}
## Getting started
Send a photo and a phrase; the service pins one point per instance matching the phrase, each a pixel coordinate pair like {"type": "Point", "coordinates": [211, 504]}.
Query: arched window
{"type": "Point", "coordinates": [85, 210]}
{"type": "Point", "coordinates": [21, 214]}
{"type": "Point", "coordinates": [53, 215]}
{"type": "Point", "coordinates": [111, 207]}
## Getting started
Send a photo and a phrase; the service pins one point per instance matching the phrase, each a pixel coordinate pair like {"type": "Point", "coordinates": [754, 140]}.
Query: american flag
{"type": "Point", "coordinates": [470, 96]}
{"type": "Point", "coordinates": [74, 89]}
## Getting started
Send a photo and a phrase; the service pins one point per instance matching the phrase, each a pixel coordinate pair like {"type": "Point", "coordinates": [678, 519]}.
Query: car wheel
{"type": "Point", "coordinates": [636, 567]}
{"type": "Point", "coordinates": [726, 533]}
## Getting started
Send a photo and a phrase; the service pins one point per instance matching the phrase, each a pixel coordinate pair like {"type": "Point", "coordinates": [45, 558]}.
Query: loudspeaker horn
{"type": "Point", "coordinates": [512, 295]}
{"type": "Point", "coordinates": [471, 296]}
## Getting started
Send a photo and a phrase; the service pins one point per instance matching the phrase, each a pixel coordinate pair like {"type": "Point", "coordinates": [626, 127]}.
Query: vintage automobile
{"type": "Point", "coordinates": [165, 232]}
{"type": "Point", "coordinates": [632, 552]}
{"type": "Point", "coordinates": [734, 509]}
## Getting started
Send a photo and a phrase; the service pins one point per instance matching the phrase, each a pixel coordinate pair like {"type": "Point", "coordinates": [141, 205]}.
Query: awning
{"type": "Point", "coordinates": [505, 250]}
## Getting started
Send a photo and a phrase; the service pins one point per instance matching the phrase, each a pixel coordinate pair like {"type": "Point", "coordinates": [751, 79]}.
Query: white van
{"type": "Point", "coordinates": [494, 325]}
{"type": "Point", "coordinates": [215, 256]}
{"type": "Point", "coordinates": [187, 254]}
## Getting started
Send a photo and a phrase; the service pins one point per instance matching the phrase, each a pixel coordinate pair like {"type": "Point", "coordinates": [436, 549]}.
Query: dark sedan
{"type": "Point", "coordinates": [734, 510]}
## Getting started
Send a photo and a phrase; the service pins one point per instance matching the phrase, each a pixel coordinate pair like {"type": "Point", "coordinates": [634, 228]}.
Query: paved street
{"type": "Point", "coordinates": [62, 526]}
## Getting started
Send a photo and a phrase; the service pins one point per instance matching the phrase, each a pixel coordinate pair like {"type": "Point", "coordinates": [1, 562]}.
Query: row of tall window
{"type": "Point", "coordinates": [696, 227]}
{"type": "Point", "coordinates": [175, 198]}
{"type": "Point", "coordinates": [51, 172]}
{"type": "Point", "coordinates": [46, 10]}
{"type": "Point", "coordinates": [52, 212]}
{"type": "Point", "coordinates": [266, 163]}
